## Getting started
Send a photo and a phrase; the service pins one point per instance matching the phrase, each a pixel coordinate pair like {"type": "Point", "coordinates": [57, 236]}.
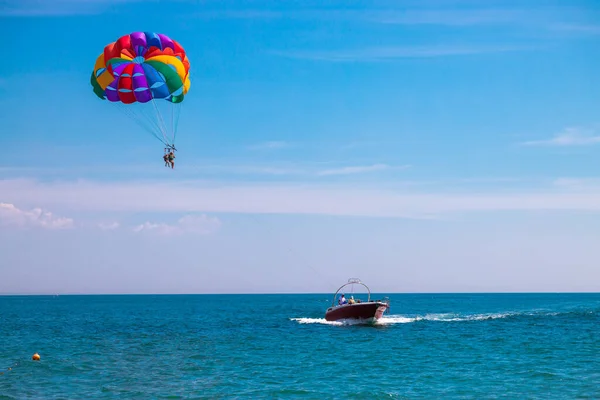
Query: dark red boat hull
{"type": "Point", "coordinates": [370, 310]}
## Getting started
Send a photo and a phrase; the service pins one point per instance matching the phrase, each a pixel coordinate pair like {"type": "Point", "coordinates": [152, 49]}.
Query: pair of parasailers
{"type": "Point", "coordinates": [169, 159]}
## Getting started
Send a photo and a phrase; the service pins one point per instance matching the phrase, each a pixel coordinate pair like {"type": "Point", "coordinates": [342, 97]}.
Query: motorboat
{"type": "Point", "coordinates": [356, 309]}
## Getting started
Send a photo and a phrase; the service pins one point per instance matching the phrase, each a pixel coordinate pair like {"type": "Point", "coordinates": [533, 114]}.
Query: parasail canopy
{"type": "Point", "coordinates": [146, 75]}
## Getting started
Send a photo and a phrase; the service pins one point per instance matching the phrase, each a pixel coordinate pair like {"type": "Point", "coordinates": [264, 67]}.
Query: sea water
{"type": "Point", "coordinates": [521, 346]}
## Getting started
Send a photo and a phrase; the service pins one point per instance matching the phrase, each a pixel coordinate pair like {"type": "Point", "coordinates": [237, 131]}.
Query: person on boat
{"type": "Point", "coordinates": [342, 300]}
{"type": "Point", "coordinates": [351, 301]}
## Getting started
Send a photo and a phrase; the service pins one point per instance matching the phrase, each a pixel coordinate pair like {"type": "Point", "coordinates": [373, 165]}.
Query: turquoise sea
{"type": "Point", "coordinates": [518, 346]}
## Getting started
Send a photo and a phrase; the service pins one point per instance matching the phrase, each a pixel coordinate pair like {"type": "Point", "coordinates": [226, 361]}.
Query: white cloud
{"type": "Point", "coordinates": [251, 169]}
{"type": "Point", "coordinates": [457, 17]}
{"type": "Point", "coordinates": [359, 169]}
{"type": "Point", "coordinates": [588, 184]}
{"type": "Point", "coordinates": [198, 224]}
{"type": "Point", "coordinates": [109, 226]}
{"type": "Point", "coordinates": [270, 145]}
{"type": "Point", "coordinates": [397, 52]}
{"type": "Point", "coordinates": [10, 215]}
{"type": "Point", "coordinates": [579, 28]}
{"type": "Point", "coordinates": [286, 198]}
{"type": "Point", "coordinates": [161, 228]}
{"type": "Point", "coordinates": [298, 169]}
{"type": "Point", "coordinates": [305, 169]}
{"type": "Point", "coordinates": [569, 137]}
{"type": "Point", "coordinates": [31, 8]}
{"type": "Point", "coordinates": [404, 16]}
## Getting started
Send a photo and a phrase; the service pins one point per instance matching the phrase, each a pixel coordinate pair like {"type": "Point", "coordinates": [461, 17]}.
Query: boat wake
{"type": "Point", "coordinates": [444, 317]}
{"type": "Point", "coordinates": [403, 319]}
{"type": "Point", "coordinates": [449, 317]}
{"type": "Point", "coordinates": [323, 321]}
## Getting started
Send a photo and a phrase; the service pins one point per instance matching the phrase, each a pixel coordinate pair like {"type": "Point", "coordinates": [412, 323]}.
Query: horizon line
{"type": "Point", "coordinates": [284, 293]}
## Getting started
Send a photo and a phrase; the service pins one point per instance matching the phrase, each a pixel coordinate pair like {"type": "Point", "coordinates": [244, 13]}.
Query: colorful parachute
{"type": "Point", "coordinates": [142, 73]}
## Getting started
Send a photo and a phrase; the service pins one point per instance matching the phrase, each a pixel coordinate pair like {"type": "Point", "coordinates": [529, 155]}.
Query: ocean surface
{"type": "Point", "coordinates": [519, 346]}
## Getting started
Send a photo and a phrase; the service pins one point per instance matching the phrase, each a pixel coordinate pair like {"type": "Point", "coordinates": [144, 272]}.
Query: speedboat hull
{"type": "Point", "coordinates": [372, 310]}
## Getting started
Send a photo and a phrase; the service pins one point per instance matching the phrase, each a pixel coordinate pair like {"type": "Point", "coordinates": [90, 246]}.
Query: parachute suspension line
{"type": "Point", "coordinates": [176, 113]}
{"type": "Point", "coordinates": [162, 122]}
{"type": "Point", "coordinates": [158, 121]}
{"type": "Point", "coordinates": [147, 123]}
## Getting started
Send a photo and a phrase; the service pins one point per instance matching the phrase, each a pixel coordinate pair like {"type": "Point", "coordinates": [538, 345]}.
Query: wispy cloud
{"type": "Point", "coordinates": [569, 137]}
{"type": "Point", "coordinates": [109, 226]}
{"type": "Point", "coordinates": [398, 52]}
{"type": "Point", "coordinates": [270, 145]}
{"type": "Point", "coordinates": [360, 144]}
{"type": "Point", "coordinates": [359, 169]}
{"type": "Point", "coordinates": [307, 170]}
{"type": "Point", "coordinates": [578, 183]}
{"type": "Point", "coordinates": [196, 197]}
{"type": "Point", "coordinates": [12, 216]}
{"type": "Point", "coordinates": [586, 29]}
{"type": "Point", "coordinates": [248, 14]}
{"type": "Point", "coordinates": [253, 169]}
{"type": "Point", "coordinates": [198, 224]}
{"type": "Point", "coordinates": [403, 16]}
{"type": "Point", "coordinates": [462, 17]}
{"type": "Point", "coordinates": [40, 8]}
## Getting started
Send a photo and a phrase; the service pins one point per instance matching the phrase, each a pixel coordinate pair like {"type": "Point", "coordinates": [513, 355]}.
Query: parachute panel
{"type": "Point", "coordinates": [172, 61]}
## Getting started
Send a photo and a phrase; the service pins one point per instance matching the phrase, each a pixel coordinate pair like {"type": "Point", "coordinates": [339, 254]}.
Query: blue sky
{"type": "Point", "coordinates": [419, 145]}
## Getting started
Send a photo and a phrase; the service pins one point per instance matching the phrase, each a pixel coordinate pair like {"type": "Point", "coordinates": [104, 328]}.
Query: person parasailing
{"type": "Point", "coordinates": [169, 156]}
{"type": "Point", "coordinates": [172, 159]}
{"type": "Point", "coordinates": [142, 73]}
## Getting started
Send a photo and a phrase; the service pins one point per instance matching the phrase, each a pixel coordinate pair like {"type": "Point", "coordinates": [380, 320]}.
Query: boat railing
{"type": "Point", "coordinates": [351, 281]}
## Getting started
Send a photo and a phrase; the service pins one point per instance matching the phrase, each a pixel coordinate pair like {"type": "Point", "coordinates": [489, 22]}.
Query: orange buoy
{"type": "Point", "coordinates": [36, 357]}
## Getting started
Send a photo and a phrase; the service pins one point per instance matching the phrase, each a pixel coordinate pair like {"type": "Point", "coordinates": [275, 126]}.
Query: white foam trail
{"type": "Point", "coordinates": [462, 318]}
{"type": "Point", "coordinates": [404, 319]}
{"type": "Point", "coordinates": [323, 321]}
{"type": "Point", "coordinates": [314, 321]}
{"type": "Point", "coordinates": [395, 319]}
{"type": "Point", "coordinates": [439, 317]}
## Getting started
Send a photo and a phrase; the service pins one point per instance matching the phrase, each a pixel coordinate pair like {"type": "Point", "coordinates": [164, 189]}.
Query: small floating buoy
{"type": "Point", "coordinates": [36, 357]}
